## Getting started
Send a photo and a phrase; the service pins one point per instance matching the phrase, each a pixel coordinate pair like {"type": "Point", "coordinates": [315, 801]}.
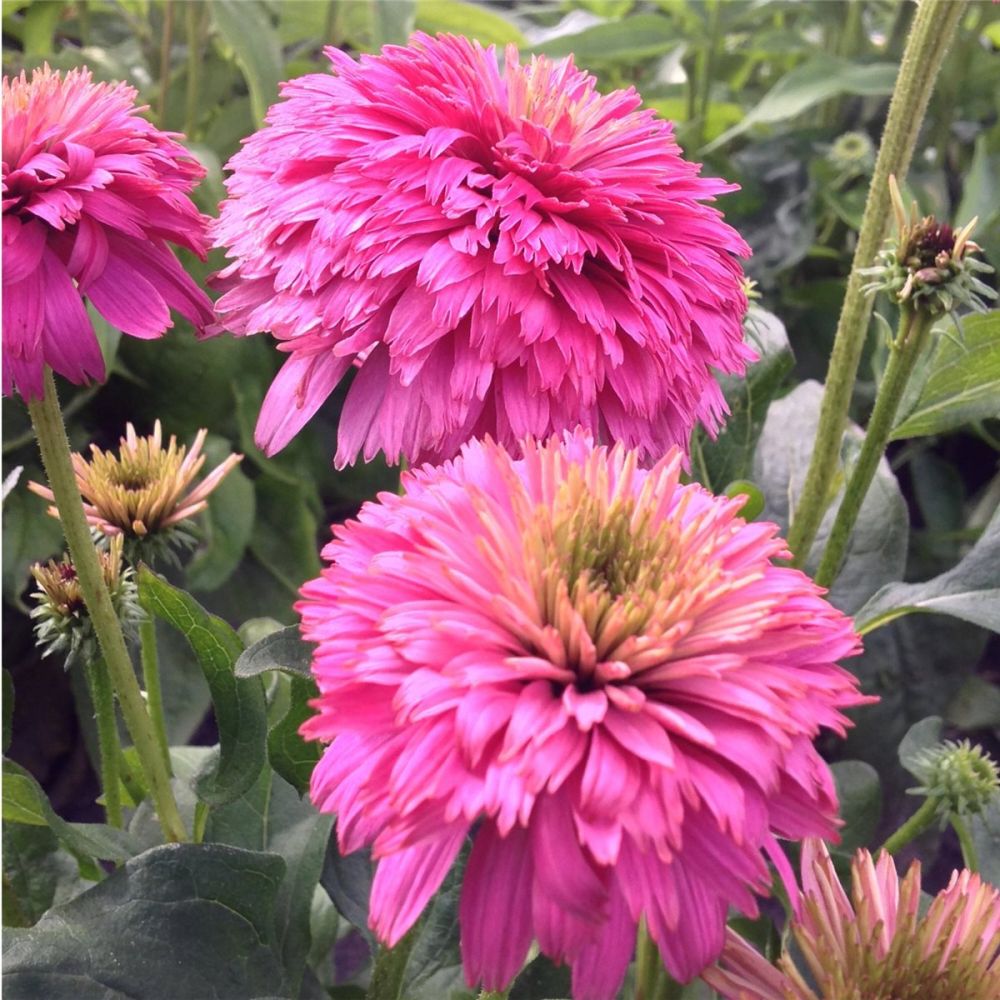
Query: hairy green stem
{"type": "Point", "coordinates": [906, 348]}
{"type": "Point", "coordinates": [651, 979]}
{"type": "Point", "coordinates": [923, 819]}
{"type": "Point", "coordinates": [154, 692]}
{"type": "Point", "coordinates": [109, 750]}
{"type": "Point", "coordinates": [390, 966]}
{"type": "Point", "coordinates": [54, 446]}
{"type": "Point", "coordinates": [193, 25]}
{"type": "Point", "coordinates": [969, 854]}
{"type": "Point", "coordinates": [931, 33]}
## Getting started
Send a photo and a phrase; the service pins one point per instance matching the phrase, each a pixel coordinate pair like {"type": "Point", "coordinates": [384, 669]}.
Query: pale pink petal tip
{"type": "Point", "coordinates": [92, 196]}
{"type": "Point", "coordinates": [501, 251]}
{"type": "Point", "coordinates": [598, 674]}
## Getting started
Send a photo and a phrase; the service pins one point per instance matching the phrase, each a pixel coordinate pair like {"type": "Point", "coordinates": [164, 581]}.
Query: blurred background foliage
{"type": "Point", "coordinates": [787, 99]}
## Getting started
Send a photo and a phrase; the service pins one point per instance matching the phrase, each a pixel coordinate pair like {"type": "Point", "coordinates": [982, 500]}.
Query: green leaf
{"type": "Point", "coordinates": [822, 77]}
{"type": "Point", "coordinates": [24, 801]}
{"type": "Point", "coordinates": [730, 456]}
{"type": "Point", "coordinates": [970, 590]}
{"type": "Point", "coordinates": [876, 554]}
{"type": "Point", "coordinates": [472, 20]}
{"type": "Point", "coordinates": [37, 874]}
{"type": "Point", "coordinates": [29, 535]}
{"type": "Point", "coordinates": [227, 524]}
{"type": "Point", "coordinates": [391, 21]}
{"type": "Point", "coordinates": [284, 650]}
{"type": "Point", "coordinates": [239, 705]}
{"type": "Point", "coordinates": [922, 735]}
{"type": "Point", "coordinates": [633, 38]}
{"type": "Point", "coordinates": [960, 382]}
{"type": "Point", "coordinates": [348, 882]}
{"type": "Point", "coordinates": [976, 705]}
{"type": "Point", "coordinates": [182, 920]}
{"type": "Point", "coordinates": [860, 793]}
{"type": "Point", "coordinates": [291, 756]}
{"type": "Point", "coordinates": [246, 28]}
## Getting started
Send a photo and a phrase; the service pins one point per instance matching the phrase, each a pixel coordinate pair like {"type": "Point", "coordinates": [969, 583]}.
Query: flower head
{"type": "Point", "coordinates": [143, 493]}
{"type": "Point", "coordinates": [961, 778]}
{"type": "Point", "coordinates": [597, 671]}
{"type": "Point", "coordinates": [874, 945]}
{"type": "Point", "coordinates": [500, 251]}
{"type": "Point", "coordinates": [928, 265]}
{"type": "Point", "coordinates": [92, 195]}
{"type": "Point", "coordinates": [62, 623]}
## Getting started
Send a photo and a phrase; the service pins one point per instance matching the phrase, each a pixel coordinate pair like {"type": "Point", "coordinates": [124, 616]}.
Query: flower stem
{"type": "Point", "coordinates": [107, 738]}
{"type": "Point", "coordinates": [47, 420]}
{"type": "Point", "coordinates": [931, 33]}
{"type": "Point", "coordinates": [154, 692]}
{"type": "Point", "coordinates": [920, 821]}
{"type": "Point", "coordinates": [969, 854]}
{"type": "Point", "coordinates": [390, 966]}
{"type": "Point", "coordinates": [651, 979]}
{"type": "Point", "coordinates": [914, 326]}
{"type": "Point", "coordinates": [494, 994]}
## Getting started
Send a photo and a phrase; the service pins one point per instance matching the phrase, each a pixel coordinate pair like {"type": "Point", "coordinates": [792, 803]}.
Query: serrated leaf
{"type": "Point", "coordinates": [822, 77]}
{"type": "Point", "coordinates": [284, 650]}
{"type": "Point", "coordinates": [247, 30]}
{"type": "Point", "coordinates": [181, 920]}
{"type": "Point", "coordinates": [960, 382]}
{"type": "Point", "coordinates": [970, 590]}
{"type": "Point", "coordinates": [24, 801]}
{"type": "Point", "coordinates": [240, 709]}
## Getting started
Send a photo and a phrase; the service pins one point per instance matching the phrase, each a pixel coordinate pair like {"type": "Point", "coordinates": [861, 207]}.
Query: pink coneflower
{"type": "Point", "coordinates": [875, 945]}
{"type": "Point", "coordinates": [597, 671]}
{"type": "Point", "coordinates": [501, 251]}
{"type": "Point", "coordinates": [92, 194]}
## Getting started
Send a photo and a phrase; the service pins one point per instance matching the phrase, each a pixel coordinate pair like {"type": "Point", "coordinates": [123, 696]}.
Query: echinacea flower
{"type": "Point", "coordinates": [874, 945]}
{"type": "Point", "coordinates": [144, 492]}
{"type": "Point", "coordinates": [62, 622]}
{"type": "Point", "coordinates": [598, 673]}
{"type": "Point", "coordinates": [92, 195]}
{"type": "Point", "coordinates": [500, 251]}
{"type": "Point", "coordinates": [960, 779]}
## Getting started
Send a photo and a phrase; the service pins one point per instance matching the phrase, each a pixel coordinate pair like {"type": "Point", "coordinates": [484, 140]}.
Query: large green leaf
{"type": "Point", "coordinates": [36, 873]}
{"type": "Point", "coordinates": [876, 554]}
{"type": "Point", "coordinates": [730, 456]}
{"type": "Point", "coordinates": [470, 19]}
{"type": "Point", "coordinates": [239, 705]}
{"type": "Point", "coordinates": [246, 28]}
{"type": "Point", "coordinates": [822, 77]}
{"type": "Point", "coordinates": [272, 816]}
{"type": "Point", "coordinates": [24, 801]}
{"type": "Point", "coordinates": [960, 382]}
{"type": "Point", "coordinates": [970, 590]}
{"type": "Point", "coordinates": [640, 37]}
{"type": "Point", "coordinates": [181, 920]}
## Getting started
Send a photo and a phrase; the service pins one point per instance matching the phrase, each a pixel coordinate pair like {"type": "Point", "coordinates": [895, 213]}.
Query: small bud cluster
{"type": "Point", "coordinates": [928, 265]}
{"type": "Point", "coordinates": [960, 778]}
{"type": "Point", "coordinates": [62, 623]}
